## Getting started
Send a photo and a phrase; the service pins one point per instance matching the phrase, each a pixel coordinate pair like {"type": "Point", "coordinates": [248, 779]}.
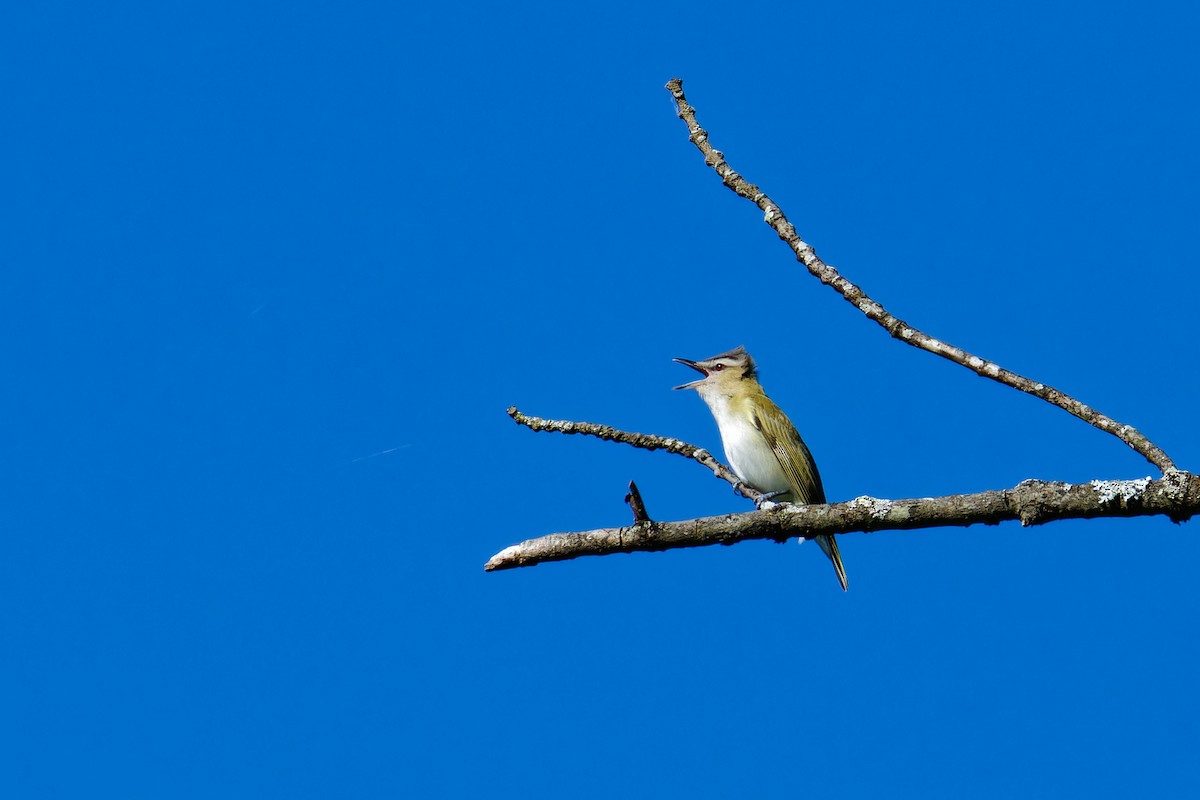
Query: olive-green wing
{"type": "Point", "coordinates": [793, 456]}
{"type": "Point", "coordinates": [802, 475]}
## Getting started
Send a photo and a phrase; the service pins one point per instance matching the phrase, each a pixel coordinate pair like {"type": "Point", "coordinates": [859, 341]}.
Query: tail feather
{"type": "Point", "coordinates": [830, 548]}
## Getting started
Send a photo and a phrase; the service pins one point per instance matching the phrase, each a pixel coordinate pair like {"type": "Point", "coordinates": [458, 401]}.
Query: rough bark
{"type": "Point", "coordinates": [1175, 495]}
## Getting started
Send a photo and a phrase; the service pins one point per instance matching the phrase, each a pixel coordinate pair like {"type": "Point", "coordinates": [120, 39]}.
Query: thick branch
{"type": "Point", "coordinates": [1176, 495]}
{"type": "Point", "coordinates": [901, 330]}
{"type": "Point", "coordinates": [646, 441]}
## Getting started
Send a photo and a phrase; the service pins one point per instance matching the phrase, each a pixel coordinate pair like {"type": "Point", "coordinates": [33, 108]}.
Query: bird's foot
{"type": "Point", "coordinates": [766, 497]}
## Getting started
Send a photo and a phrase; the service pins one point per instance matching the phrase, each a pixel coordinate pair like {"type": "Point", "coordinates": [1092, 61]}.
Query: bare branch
{"type": "Point", "coordinates": [901, 330]}
{"type": "Point", "coordinates": [1176, 495]}
{"type": "Point", "coordinates": [646, 441]}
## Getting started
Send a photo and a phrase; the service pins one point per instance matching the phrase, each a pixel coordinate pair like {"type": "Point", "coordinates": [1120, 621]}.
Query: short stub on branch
{"type": "Point", "coordinates": [634, 499]}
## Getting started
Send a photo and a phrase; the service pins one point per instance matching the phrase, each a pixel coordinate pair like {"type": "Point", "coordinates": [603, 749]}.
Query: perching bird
{"type": "Point", "coordinates": [761, 443]}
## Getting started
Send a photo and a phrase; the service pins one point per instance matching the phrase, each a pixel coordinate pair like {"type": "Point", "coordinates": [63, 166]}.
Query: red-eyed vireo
{"type": "Point", "coordinates": [761, 443]}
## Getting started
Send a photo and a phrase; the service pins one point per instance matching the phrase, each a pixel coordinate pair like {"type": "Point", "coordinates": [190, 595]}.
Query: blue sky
{"type": "Point", "coordinates": [271, 274]}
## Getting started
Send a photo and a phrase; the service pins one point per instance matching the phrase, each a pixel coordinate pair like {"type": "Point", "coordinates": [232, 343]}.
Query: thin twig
{"type": "Point", "coordinates": [901, 330]}
{"type": "Point", "coordinates": [646, 441]}
{"type": "Point", "coordinates": [1176, 495]}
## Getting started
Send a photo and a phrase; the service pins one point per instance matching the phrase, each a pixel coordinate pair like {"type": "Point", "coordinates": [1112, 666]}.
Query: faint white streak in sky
{"type": "Point", "coordinates": [380, 453]}
{"type": "Point", "coordinates": [260, 308]}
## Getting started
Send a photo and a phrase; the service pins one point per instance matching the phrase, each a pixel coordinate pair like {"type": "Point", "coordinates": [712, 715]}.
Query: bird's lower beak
{"type": "Point", "coordinates": [691, 364]}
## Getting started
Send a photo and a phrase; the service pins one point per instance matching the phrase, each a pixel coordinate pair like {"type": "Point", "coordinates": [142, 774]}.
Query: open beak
{"type": "Point", "coordinates": [693, 365]}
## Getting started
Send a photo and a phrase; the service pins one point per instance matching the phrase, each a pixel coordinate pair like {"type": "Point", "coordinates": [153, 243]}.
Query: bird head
{"type": "Point", "coordinates": [724, 370]}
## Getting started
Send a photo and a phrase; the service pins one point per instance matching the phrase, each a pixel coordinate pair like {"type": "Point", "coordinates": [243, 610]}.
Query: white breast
{"type": "Point", "coordinates": [745, 448]}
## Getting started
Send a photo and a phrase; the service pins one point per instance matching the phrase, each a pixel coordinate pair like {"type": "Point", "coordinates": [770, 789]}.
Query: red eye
{"type": "Point", "coordinates": [718, 367]}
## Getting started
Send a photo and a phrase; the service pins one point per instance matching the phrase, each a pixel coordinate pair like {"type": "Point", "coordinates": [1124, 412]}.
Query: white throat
{"type": "Point", "coordinates": [745, 448]}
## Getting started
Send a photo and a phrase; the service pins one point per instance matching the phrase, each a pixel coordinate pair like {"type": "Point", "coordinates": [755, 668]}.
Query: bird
{"type": "Point", "coordinates": [761, 444]}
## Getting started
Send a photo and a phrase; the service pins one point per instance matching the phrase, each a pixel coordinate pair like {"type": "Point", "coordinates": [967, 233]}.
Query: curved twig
{"type": "Point", "coordinates": [646, 441]}
{"type": "Point", "coordinates": [898, 328]}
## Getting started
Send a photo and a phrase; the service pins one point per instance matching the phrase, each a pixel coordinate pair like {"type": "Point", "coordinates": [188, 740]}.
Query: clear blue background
{"type": "Point", "coordinates": [272, 272]}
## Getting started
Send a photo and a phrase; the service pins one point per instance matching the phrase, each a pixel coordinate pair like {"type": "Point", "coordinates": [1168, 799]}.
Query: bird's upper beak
{"type": "Point", "coordinates": [693, 365]}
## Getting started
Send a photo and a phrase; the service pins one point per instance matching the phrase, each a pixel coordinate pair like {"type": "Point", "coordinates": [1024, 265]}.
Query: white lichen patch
{"type": "Point", "coordinates": [991, 370]}
{"type": "Point", "coordinates": [1126, 490]}
{"type": "Point", "coordinates": [975, 362]}
{"type": "Point", "coordinates": [876, 507]}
